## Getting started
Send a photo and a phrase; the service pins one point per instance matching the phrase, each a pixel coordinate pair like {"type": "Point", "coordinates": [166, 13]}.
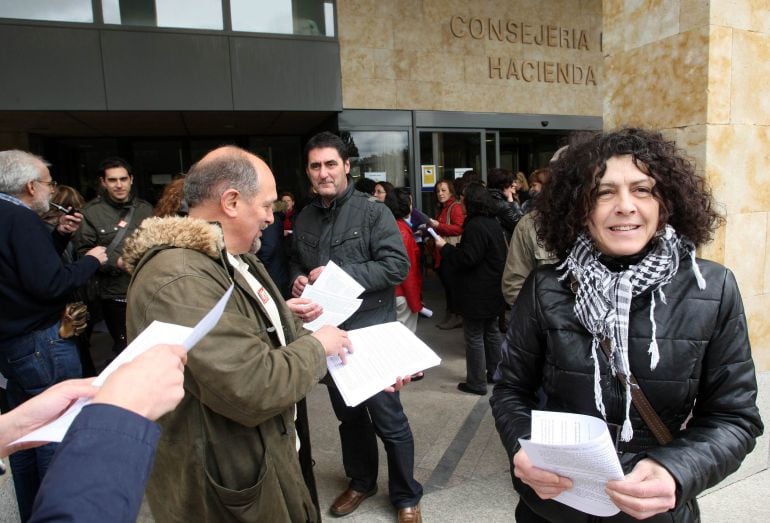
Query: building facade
{"type": "Point", "coordinates": [422, 88]}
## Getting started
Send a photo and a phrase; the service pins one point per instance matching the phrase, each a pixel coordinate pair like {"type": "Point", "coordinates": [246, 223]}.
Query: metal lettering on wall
{"type": "Point", "coordinates": [521, 33]}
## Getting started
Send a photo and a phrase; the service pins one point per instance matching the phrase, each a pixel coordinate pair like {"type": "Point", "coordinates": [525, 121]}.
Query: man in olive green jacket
{"type": "Point", "coordinates": [229, 451]}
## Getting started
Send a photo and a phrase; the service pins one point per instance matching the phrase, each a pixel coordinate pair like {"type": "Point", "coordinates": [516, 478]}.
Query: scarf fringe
{"type": "Point", "coordinates": [653, 350]}
{"type": "Point", "coordinates": [597, 379]}
{"type": "Point", "coordinates": [628, 432]}
{"type": "Point", "coordinates": [696, 270]}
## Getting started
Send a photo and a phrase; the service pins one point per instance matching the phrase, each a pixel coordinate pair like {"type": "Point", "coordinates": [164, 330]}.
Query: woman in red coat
{"type": "Point", "coordinates": [449, 225]}
{"type": "Point", "coordinates": [408, 292]}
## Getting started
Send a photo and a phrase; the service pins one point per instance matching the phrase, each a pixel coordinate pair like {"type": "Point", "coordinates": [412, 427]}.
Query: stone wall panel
{"type": "Point", "coordinates": [747, 264]}
{"type": "Point", "coordinates": [738, 161]}
{"type": "Point", "coordinates": [413, 44]}
{"type": "Point", "coordinates": [750, 73]}
{"type": "Point", "coordinates": [661, 85]}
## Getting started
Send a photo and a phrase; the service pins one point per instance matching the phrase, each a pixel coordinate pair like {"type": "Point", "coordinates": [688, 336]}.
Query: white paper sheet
{"type": "Point", "coordinates": [157, 332]}
{"type": "Point", "coordinates": [381, 354]}
{"type": "Point", "coordinates": [580, 448]}
{"type": "Point", "coordinates": [337, 292]}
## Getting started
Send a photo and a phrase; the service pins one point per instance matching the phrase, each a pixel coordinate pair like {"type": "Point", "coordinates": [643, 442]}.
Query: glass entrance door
{"type": "Point", "coordinates": [446, 155]}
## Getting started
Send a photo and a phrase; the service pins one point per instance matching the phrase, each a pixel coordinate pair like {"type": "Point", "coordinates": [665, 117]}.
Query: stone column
{"type": "Point", "coordinates": [698, 70]}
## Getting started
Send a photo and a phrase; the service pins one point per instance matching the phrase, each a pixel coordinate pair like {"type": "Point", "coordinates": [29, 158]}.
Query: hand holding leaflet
{"type": "Point", "coordinates": [433, 233]}
{"type": "Point", "coordinates": [156, 332]}
{"type": "Point", "coordinates": [334, 279]}
{"type": "Point", "coordinates": [578, 447]}
{"type": "Point", "coordinates": [336, 291]}
{"type": "Point", "coordinates": [382, 353]}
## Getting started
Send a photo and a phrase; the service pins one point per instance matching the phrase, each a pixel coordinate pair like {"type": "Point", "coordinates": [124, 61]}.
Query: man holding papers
{"type": "Point", "coordinates": [229, 451]}
{"type": "Point", "coordinates": [360, 235]}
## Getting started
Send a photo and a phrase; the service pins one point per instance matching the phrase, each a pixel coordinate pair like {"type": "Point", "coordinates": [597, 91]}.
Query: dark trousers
{"type": "Point", "coordinates": [482, 350]}
{"type": "Point", "coordinates": [32, 363]}
{"type": "Point", "coordinates": [114, 312]}
{"type": "Point", "coordinates": [381, 415]}
{"type": "Point", "coordinates": [556, 512]}
{"type": "Point", "coordinates": [445, 275]}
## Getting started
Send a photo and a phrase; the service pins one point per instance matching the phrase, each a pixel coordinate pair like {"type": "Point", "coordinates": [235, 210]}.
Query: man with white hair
{"type": "Point", "coordinates": [34, 288]}
{"type": "Point", "coordinates": [229, 451]}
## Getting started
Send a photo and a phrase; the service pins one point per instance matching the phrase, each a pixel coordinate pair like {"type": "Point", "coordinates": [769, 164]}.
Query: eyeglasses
{"type": "Point", "coordinates": [52, 184]}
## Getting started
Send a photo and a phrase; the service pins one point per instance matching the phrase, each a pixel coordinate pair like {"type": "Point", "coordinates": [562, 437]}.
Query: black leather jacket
{"type": "Point", "coordinates": [359, 234]}
{"type": "Point", "coordinates": [507, 213]}
{"type": "Point", "coordinates": [705, 369]}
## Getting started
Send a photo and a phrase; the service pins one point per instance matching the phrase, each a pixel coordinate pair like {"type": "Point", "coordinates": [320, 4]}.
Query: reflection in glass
{"type": "Point", "coordinates": [379, 155]}
{"type": "Point", "coordinates": [52, 10]}
{"type": "Point", "coordinates": [262, 16]}
{"type": "Point", "coordinates": [158, 161]}
{"type": "Point", "coordinates": [192, 14]}
{"type": "Point", "coordinates": [452, 153]}
{"type": "Point", "coordinates": [329, 18]}
{"type": "Point", "coordinates": [300, 17]}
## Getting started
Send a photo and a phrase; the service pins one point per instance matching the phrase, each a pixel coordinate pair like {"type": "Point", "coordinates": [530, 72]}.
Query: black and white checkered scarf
{"type": "Point", "coordinates": [603, 300]}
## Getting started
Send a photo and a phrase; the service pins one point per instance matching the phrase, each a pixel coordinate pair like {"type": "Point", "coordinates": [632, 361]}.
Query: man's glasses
{"type": "Point", "coordinates": [52, 184]}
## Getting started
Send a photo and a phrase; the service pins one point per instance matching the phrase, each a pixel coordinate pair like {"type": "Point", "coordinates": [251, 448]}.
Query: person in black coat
{"type": "Point", "coordinates": [624, 213]}
{"type": "Point", "coordinates": [500, 183]}
{"type": "Point", "coordinates": [273, 251]}
{"type": "Point", "coordinates": [478, 261]}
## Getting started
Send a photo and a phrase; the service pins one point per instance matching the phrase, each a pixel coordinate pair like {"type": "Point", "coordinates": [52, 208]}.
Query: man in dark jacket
{"type": "Point", "coordinates": [34, 287]}
{"type": "Point", "coordinates": [360, 235]}
{"type": "Point", "coordinates": [109, 220]}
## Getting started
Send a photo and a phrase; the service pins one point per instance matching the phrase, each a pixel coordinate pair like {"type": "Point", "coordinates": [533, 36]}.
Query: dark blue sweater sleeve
{"type": "Point", "coordinates": [40, 270]}
{"type": "Point", "coordinates": [100, 469]}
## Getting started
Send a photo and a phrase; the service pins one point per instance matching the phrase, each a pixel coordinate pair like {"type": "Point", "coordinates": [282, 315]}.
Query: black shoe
{"type": "Point", "coordinates": [463, 387]}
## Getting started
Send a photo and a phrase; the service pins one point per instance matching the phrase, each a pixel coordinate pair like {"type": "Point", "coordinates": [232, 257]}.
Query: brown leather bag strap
{"type": "Point", "coordinates": [449, 213]}
{"type": "Point", "coordinates": [642, 404]}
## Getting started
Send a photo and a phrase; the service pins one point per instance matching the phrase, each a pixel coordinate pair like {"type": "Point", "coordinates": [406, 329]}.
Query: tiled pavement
{"type": "Point", "coordinates": [458, 455]}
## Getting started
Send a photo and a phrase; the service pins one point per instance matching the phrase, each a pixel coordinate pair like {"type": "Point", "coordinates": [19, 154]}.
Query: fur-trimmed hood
{"type": "Point", "coordinates": [173, 231]}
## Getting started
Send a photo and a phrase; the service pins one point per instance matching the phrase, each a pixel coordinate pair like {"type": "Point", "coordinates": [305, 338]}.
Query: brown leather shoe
{"type": "Point", "coordinates": [348, 501]}
{"type": "Point", "coordinates": [410, 515]}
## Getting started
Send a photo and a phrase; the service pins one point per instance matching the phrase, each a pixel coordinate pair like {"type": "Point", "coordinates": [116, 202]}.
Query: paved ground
{"type": "Point", "coordinates": [458, 454]}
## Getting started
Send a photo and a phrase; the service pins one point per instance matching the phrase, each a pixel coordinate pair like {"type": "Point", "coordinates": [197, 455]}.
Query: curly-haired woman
{"type": "Point", "coordinates": [624, 213]}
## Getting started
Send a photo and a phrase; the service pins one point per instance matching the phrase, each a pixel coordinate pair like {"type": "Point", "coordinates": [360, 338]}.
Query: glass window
{"type": "Point", "coordinates": [284, 156]}
{"type": "Point", "coordinates": [301, 17]}
{"type": "Point", "coordinates": [53, 10]}
{"type": "Point", "coordinates": [155, 163]}
{"type": "Point", "coordinates": [526, 151]}
{"type": "Point", "coordinates": [448, 155]}
{"type": "Point", "coordinates": [191, 14]}
{"type": "Point", "coordinates": [379, 156]}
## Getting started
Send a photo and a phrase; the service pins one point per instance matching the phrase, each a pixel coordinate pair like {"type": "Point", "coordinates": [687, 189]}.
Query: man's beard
{"type": "Point", "coordinates": [41, 204]}
{"type": "Point", "coordinates": [256, 244]}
